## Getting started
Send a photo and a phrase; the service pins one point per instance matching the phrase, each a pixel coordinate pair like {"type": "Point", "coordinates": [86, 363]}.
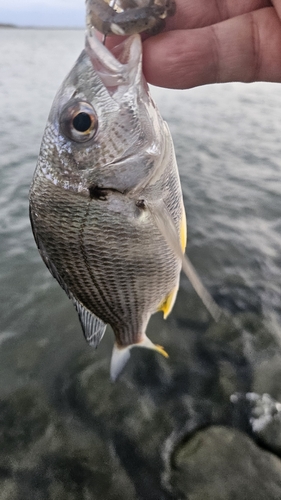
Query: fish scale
{"type": "Point", "coordinates": [101, 284]}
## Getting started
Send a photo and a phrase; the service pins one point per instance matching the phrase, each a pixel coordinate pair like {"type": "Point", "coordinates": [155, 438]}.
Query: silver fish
{"type": "Point", "coordinates": [127, 17]}
{"type": "Point", "coordinates": [106, 204]}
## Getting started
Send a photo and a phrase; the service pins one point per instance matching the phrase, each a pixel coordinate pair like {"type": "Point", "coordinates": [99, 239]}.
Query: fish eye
{"type": "Point", "coordinates": [78, 121]}
{"type": "Point", "coordinates": [82, 122]}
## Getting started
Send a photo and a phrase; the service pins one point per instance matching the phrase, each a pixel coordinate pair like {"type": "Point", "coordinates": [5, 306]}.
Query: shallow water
{"type": "Point", "coordinates": [229, 155]}
{"type": "Point", "coordinates": [227, 142]}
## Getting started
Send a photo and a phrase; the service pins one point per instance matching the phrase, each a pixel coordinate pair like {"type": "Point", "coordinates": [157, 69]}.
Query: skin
{"type": "Point", "coordinates": [216, 41]}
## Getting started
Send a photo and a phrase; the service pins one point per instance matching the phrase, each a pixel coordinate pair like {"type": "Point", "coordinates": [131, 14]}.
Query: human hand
{"type": "Point", "coordinates": [216, 41]}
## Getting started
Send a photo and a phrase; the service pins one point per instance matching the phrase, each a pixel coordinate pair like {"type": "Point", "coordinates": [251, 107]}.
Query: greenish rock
{"type": "Point", "coordinates": [8, 489]}
{"type": "Point", "coordinates": [24, 418]}
{"type": "Point", "coordinates": [129, 421]}
{"type": "Point", "coordinates": [45, 456]}
{"type": "Point", "coordinates": [267, 376]}
{"type": "Point", "coordinates": [92, 439]}
{"type": "Point", "coordinates": [220, 463]}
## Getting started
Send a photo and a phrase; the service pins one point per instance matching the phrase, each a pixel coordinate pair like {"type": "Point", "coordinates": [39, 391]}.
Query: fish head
{"type": "Point", "coordinates": [103, 129]}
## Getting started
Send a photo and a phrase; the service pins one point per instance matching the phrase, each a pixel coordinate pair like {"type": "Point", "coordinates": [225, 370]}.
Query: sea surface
{"type": "Point", "coordinates": [228, 147]}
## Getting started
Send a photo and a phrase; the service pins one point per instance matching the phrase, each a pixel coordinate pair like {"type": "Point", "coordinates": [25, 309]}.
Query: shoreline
{"type": "Point", "coordinates": [14, 26]}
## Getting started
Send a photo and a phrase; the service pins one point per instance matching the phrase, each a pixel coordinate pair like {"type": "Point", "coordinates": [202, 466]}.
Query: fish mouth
{"type": "Point", "coordinates": [121, 65]}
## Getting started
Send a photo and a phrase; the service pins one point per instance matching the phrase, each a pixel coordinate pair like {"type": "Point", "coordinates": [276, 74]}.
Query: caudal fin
{"type": "Point", "coordinates": [120, 355]}
{"type": "Point", "coordinates": [119, 358]}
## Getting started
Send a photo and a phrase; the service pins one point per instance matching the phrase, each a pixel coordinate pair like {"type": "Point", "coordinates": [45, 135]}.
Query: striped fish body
{"type": "Point", "coordinates": [93, 198]}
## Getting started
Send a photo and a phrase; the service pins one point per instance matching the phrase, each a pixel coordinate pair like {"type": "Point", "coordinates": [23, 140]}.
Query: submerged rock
{"type": "Point", "coordinates": [24, 419]}
{"type": "Point", "coordinates": [47, 456]}
{"type": "Point", "coordinates": [264, 416]}
{"type": "Point", "coordinates": [220, 463]}
{"type": "Point", "coordinates": [141, 438]}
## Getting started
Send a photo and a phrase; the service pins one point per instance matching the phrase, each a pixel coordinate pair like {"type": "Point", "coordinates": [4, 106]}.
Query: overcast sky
{"type": "Point", "coordinates": [43, 12]}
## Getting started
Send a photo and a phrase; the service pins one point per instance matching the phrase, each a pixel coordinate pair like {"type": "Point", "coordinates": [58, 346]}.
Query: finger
{"type": "Point", "coordinates": [198, 13]}
{"type": "Point", "coordinates": [277, 5]}
{"type": "Point", "coordinates": [246, 48]}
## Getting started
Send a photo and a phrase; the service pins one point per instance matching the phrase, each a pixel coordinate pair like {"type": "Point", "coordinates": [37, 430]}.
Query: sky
{"type": "Point", "coordinates": [64, 13]}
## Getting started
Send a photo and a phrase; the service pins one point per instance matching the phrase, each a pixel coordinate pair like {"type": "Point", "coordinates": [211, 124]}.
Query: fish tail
{"type": "Point", "coordinates": [121, 355]}
{"type": "Point", "coordinates": [119, 358]}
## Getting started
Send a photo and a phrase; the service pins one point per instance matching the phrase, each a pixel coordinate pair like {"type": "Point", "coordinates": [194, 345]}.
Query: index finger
{"type": "Point", "coordinates": [245, 48]}
{"type": "Point", "coordinates": [198, 13]}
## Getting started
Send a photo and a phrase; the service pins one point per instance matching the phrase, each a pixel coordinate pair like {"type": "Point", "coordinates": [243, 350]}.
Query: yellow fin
{"type": "Point", "coordinates": [161, 350]}
{"type": "Point", "coordinates": [169, 301]}
{"type": "Point", "coordinates": [146, 342]}
{"type": "Point", "coordinates": [166, 226]}
{"type": "Point", "coordinates": [183, 230]}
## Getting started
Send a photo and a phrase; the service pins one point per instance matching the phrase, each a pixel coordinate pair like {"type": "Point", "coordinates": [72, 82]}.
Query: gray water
{"type": "Point", "coordinates": [227, 142]}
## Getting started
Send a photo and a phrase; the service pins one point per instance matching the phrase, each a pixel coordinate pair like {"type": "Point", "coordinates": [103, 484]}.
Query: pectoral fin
{"type": "Point", "coordinates": [166, 226]}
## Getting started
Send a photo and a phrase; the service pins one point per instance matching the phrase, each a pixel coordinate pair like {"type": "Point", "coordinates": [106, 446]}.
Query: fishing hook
{"type": "Point", "coordinates": [111, 4]}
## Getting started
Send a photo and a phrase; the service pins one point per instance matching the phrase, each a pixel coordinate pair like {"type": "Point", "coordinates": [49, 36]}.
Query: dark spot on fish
{"type": "Point", "coordinates": [141, 204]}
{"type": "Point", "coordinates": [98, 193]}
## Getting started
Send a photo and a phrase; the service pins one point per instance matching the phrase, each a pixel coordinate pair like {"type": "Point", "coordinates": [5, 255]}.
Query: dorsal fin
{"type": "Point", "coordinates": [93, 327]}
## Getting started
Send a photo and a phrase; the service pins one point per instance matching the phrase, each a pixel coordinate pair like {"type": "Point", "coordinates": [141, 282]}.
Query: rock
{"type": "Point", "coordinates": [267, 376]}
{"type": "Point", "coordinates": [24, 418]}
{"type": "Point", "coordinates": [98, 440]}
{"type": "Point", "coordinates": [221, 463]}
{"type": "Point", "coordinates": [73, 474]}
{"type": "Point", "coordinates": [42, 457]}
{"type": "Point", "coordinates": [129, 422]}
{"type": "Point", "coordinates": [264, 416]}
{"type": "Point", "coordinates": [157, 402]}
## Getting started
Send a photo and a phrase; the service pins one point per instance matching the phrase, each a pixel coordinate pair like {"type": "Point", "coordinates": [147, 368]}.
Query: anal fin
{"type": "Point", "coordinates": [93, 327]}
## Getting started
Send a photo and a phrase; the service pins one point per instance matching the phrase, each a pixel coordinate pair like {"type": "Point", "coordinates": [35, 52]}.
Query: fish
{"type": "Point", "coordinates": [127, 17]}
{"type": "Point", "coordinates": [106, 205]}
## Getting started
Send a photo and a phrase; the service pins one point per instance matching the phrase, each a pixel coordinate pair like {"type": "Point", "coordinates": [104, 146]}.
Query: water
{"type": "Point", "coordinates": [227, 141]}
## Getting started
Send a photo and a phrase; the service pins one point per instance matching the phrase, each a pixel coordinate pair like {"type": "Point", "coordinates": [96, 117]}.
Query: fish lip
{"type": "Point", "coordinates": [119, 65]}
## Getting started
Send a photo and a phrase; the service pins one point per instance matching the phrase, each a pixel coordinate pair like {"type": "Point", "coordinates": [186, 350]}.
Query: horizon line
{"type": "Point", "coordinates": [34, 26]}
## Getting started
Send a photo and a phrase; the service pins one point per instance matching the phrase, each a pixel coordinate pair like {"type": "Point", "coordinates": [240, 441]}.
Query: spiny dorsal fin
{"type": "Point", "coordinates": [167, 228]}
{"type": "Point", "coordinates": [93, 327]}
